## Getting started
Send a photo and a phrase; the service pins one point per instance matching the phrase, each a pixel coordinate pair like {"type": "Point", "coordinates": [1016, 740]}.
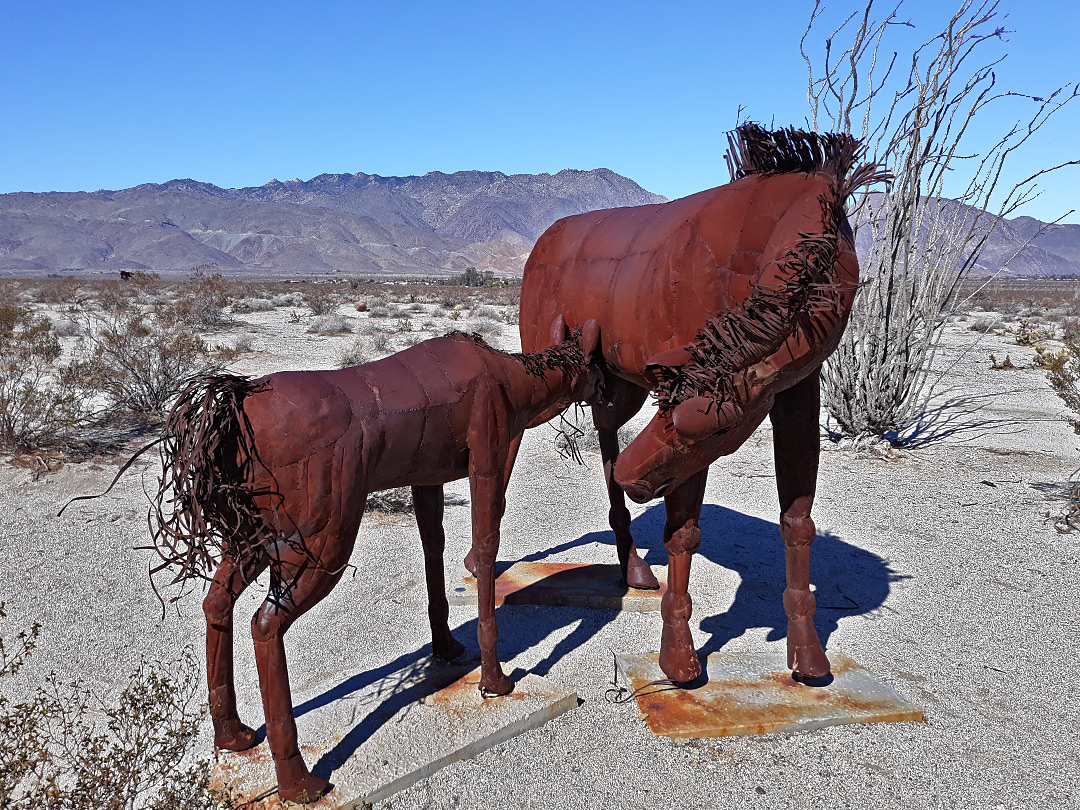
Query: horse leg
{"type": "Point", "coordinates": [298, 582]}
{"type": "Point", "coordinates": [229, 582]}
{"type": "Point", "coordinates": [623, 400]}
{"type": "Point", "coordinates": [678, 658]}
{"type": "Point", "coordinates": [489, 446]}
{"type": "Point", "coordinates": [796, 444]}
{"type": "Point", "coordinates": [428, 504]}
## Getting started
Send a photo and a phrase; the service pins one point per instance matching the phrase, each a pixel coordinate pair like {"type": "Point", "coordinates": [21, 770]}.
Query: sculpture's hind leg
{"type": "Point", "coordinates": [796, 445]}
{"type": "Point", "coordinates": [623, 400]}
{"type": "Point", "coordinates": [228, 583]}
{"type": "Point", "coordinates": [428, 504]}
{"type": "Point", "coordinates": [299, 580]}
{"type": "Point", "coordinates": [682, 537]}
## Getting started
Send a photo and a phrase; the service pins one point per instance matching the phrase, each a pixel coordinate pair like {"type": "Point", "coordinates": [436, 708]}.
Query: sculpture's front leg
{"type": "Point", "coordinates": [489, 445]}
{"type": "Point", "coordinates": [678, 657]}
{"type": "Point", "coordinates": [796, 446]}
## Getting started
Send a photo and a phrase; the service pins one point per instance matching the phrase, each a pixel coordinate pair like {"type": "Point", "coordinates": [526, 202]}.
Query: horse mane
{"type": "Point", "coordinates": [752, 149]}
{"type": "Point", "coordinates": [749, 332]}
{"type": "Point", "coordinates": [565, 356]}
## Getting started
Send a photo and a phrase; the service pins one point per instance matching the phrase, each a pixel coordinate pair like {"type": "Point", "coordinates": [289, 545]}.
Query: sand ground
{"type": "Point", "coordinates": [939, 570]}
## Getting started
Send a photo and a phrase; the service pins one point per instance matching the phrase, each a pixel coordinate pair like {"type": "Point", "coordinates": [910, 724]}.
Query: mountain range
{"type": "Point", "coordinates": [335, 223]}
{"type": "Point", "coordinates": [368, 225]}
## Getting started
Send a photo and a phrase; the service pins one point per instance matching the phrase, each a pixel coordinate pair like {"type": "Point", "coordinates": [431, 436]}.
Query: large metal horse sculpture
{"type": "Point", "coordinates": [275, 472]}
{"type": "Point", "coordinates": [723, 304]}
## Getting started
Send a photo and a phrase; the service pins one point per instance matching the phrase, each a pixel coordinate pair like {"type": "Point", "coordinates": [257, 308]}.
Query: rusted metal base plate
{"type": "Point", "coordinates": [587, 585]}
{"type": "Point", "coordinates": [395, 732]}
{"type": "Point", "coordinates": [753, 693]}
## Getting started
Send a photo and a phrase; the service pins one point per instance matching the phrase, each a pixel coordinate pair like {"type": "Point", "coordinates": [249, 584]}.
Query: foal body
{"type": "Point", "coordinates": [317, 443]}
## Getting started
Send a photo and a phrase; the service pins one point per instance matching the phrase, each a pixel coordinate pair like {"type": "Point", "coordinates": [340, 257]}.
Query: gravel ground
{"type": "Point", "coordinates": [939, 570]}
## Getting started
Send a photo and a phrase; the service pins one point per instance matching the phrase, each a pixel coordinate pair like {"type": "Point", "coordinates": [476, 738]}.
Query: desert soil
{"type": "Point", "coordinates": [938, 568]}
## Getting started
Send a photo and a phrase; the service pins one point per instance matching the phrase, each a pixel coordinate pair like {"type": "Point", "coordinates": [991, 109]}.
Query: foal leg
{"type": "Point", "coordinates": [796, 444]}
{"type": "Point", "coordinates": [623, 401]}
{"type": "Point", "coordinates": [682, 537]}
{"type": "Point", "coordinates": [489, 445]}
{"type": "Point", "coordinates": [428, 504]}
{"type": "Point", "coordinates": [229, 582]}
{"type": "Point", "coordinates": [298, 582]}
{"type": "Point", "coordinates": [511, 457]}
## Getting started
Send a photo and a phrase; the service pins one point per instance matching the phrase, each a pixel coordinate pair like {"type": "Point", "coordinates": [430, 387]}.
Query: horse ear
{"type": "Point", "coordinates": [559, 332]}
{"type": "Point", "coordinates": [590, 337]}
{"type": "Point", "coordinates": [700, 417]}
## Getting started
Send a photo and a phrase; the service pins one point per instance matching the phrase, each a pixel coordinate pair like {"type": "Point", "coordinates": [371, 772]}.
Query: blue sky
{"type": "Point", "coordinates": [109, 95]}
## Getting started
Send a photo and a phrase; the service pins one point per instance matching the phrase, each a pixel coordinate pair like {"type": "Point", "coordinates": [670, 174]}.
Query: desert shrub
{"type": "Point", "coordinates": [244, 343]}
{"type": "Point", "coordinates": [1005, 364]}
{"type": "Point", "coordinates": [139, 363]}
{"type": "Point", "coordinates": [253, 305]}
{"type": "Point", "coordinates": [984, 324]}
{"type": "Point", "coordinates": [66, 748]}
{"type": "Point", "coordinates": [404, 325]}
{"type": "Point", "coordinates": [415, 306]}
{"type": "Point", "coordinates": [379, 309]}
{"type": "Point", "coordinates": [380, 342]}
{"type": "Point", "coordinates": [1029, 334]}
{"type": "Point", "coordinates": [355, 353]}
{"type": "Point", "coordinates": [200, 303]}
{"type": "Point", "coordinates": [410, 340]}
{"type": "Point", "coordinates": [287, 300]}
{"type": "Point", "coordinates": [510, 315]}
{"type": "Point", "coordinates": [330, 325]}
{"type": "Point", "coordinates": [429, 326]}
{"type": "Point", "coordinates": [66, 327]}
{"type": "Point", "coordinates": [397, 501]}
{"type": "Point", "coordinates": [40, 401]}
{"type": "Point", "coordinates": [485, 327]}
{"type": "Point", "coordinates": [485, 311]}
{"type": "Point", "coordinates": [1064, 374]}
{"type": "Point", "coordinates": [321, 300]}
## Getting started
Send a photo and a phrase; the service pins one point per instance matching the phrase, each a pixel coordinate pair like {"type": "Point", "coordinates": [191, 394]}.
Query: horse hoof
{"type": "Point", "coordinates": [811, 666]}
{"type": "Point", "coordinates": [447, 649]}
{"type": "Point", "coordinates": [500, 685]}
{"type": "Point", "coordinates": [237, 737]}
{"type": "Point", "coordinates": [639, 575]}
{"type": "Point", "coordinates": [678, 658]}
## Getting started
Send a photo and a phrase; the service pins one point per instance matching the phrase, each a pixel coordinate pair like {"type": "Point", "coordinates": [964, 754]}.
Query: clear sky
{"type": "Point", "coordinates": [113, 94]}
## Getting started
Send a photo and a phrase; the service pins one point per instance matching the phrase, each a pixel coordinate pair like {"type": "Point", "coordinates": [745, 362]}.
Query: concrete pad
{"type": "Point", "coordinates": [589, 585]}
{"type": "Point", "coordinates": [754, 693]}
{"type": "Point", "coordinates": [395, 731]}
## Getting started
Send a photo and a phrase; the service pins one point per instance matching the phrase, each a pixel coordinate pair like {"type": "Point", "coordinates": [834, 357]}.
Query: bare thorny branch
{"type": "Point", "coordinates": [922, 245]}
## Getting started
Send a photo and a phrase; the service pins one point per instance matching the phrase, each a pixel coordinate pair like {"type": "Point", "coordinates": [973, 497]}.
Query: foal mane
{"type": "Point", "coordinates": [807, 286]}
{"type": "Point", "coordinates": [565, 356]}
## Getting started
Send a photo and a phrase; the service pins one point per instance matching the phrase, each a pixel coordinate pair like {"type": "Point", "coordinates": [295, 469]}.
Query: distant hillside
{"type": "Point", "coordinates": [1013, 250]}
{"type": "Point", "coordinates": [333, 223]}
{"type": "Point", "coordinates": [368, 225]}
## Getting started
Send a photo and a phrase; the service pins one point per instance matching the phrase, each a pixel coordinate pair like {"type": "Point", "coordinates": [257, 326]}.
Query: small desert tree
{"type": "Point", "coordinates": [929, 128]}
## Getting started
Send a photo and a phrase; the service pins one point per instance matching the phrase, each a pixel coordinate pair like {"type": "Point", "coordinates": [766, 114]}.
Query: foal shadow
{"type": "Point", "coordinates": [397, 687]}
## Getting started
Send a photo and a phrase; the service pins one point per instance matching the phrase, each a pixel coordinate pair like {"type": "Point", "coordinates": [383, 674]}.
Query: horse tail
{"type": "Point", "coordinates": [205, 508]}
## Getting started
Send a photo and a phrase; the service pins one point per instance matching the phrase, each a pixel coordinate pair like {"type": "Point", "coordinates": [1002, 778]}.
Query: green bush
{"type": "Point", "coordinates": [39, 399]}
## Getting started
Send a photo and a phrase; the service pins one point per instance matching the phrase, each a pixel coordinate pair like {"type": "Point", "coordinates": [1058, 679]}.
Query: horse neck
{"type": "Point", "coordinates": [531, 394]}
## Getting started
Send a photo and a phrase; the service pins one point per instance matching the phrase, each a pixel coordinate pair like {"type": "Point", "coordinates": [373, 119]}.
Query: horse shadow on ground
{"type": "Point", "coordinates": [849, 581]}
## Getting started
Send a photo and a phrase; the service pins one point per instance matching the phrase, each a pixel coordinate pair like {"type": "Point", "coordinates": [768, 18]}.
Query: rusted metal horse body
{"type": "Point", "coordinates": [275, 472]}
{"type": "Point", "coordinates": [724, 304]}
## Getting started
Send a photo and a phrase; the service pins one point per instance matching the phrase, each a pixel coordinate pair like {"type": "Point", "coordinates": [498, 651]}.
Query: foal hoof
{"type": "Point", "coordinates": [639, 575]}
{"type": "Point", "coordinates": [304, 788]}
{"type": "Point", "coordinates": [447, 649]}
{"type": "Point", "coordinates": [810, 665]}
{"type": "Point", "coordinates": [235, 737]}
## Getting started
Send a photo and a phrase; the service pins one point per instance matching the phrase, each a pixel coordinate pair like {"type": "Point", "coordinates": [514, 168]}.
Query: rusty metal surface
{"type": "Point", "coordinates": [754, 693]}
{"type": "Point", "coordinates": [274, 473]}
{"type": "Point", "coordinates": [588, 585]}
{"type": "Point", "coordinates": [724, 305]}
{"type": "Point", "coordinates": [424, 718]}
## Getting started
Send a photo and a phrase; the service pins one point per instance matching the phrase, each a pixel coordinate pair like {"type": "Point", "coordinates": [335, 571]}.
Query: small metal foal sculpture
{"type": "Point", "coordinates": [275, 472]}
{"type": "Point", "coordinates": [724, 305]}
